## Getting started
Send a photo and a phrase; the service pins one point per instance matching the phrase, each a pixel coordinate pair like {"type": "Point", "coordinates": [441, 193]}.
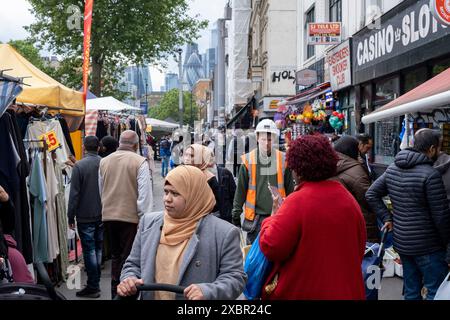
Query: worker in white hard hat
{"type": "Point", "coordinates": [262, 167]}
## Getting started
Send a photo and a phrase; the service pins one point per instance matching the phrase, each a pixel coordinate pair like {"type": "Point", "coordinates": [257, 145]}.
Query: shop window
{"type": "Point", "coordinates": [415, 79]}
{"type": "Point", "coordinates": [373, 9]}
{"type": "Point", "coordinates": [440, 67]}
{"type": "Point", "coordinates": [310, 17]}
{"type": "Point", "coordinates": [386, 90]}
{"type": "Point", "coordinates": [335, 10]}
{"type": "Point", "coordinates": [387, 141]}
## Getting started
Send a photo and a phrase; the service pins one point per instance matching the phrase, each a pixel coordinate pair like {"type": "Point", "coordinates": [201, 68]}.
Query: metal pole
{"type": "Point", "coordinates": [180, 86]}
{"type": "Point", "coordinates": [192, 123]}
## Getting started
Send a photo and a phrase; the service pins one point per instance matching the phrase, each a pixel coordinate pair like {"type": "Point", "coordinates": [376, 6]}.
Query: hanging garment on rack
{"type": "Point", "coordinates": [38, 191]}
{"type": "Point", "coordinates": [37, 128]}
{"type": "Point", "coordinates": [90, 123]}
{"type": "Point", "coordinates": [101, 130]}
{"type": "Point", "coordinates": [66, 132]}
{"type": "Point", "coordinates": [22, 232]}
{"type": "Point", "coordinates": [63, 228]}
{"type": "Point", "coordinates": [52, 220]}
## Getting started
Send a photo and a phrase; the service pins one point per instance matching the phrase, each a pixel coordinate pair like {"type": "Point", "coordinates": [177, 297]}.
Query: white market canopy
{"type": "Point", "coordinates": [108, 104]}
{"type": "Point", "coordinates": [160, 125]}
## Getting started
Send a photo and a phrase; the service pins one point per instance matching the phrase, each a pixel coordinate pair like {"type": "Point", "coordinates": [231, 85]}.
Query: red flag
{"type": "Point", "coordinates": [88, 4]}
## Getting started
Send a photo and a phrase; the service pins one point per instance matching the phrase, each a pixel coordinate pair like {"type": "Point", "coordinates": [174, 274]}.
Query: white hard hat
{"type": "Point", "coordinates": [268, 126]}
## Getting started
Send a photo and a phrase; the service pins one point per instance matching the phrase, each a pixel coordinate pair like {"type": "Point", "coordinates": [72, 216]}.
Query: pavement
{"type": "Point", "coordinates": [391, 288]}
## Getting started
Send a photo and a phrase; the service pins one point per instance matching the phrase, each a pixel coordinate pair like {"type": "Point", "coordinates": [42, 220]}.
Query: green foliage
{"type": "Point", "coordinates": [168, 107]}
{"type": "Point", "coordinates": [123, 32]}
{"type": "Point", "coordinates": [27, 49]}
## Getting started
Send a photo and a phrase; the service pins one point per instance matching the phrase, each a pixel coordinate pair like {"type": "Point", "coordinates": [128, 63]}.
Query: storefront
{"type": "Point", "coordinates": [408, 48]}
{"type": "Point", "coordinates": [339, 70]}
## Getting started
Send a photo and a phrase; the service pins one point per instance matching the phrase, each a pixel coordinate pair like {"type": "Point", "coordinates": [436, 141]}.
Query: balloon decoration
{"type": "Point", "coordinates": [337, 120]}
{"type": "Point", "coordinates": [318, 109]}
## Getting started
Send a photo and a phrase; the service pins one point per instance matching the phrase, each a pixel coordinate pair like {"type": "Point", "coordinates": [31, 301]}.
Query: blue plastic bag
{"type": "Point", "coordinates": [257, 268]}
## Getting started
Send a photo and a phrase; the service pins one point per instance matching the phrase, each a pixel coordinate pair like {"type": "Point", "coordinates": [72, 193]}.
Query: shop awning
{"type": "Point", "coordinates": [40, 89]}
{"type": "Point", "coordinates": [435, 93]}
{"type": "Point", "coordinates": [240, 112]}
{"type": "Point", "coordinates": [109, 104]}
{"type": "Point", "coordinates": [307, 95]}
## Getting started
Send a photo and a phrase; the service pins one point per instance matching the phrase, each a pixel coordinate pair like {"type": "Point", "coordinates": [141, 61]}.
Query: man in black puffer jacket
{"type": "Point", "coordinates": [421, 214]}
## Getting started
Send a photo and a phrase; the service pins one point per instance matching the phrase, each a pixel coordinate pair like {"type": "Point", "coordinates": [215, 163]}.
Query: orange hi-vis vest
{"type": "Point", "coordinates": [249, 160]}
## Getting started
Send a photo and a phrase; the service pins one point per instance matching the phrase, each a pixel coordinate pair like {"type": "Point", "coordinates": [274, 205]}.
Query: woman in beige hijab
{"type": "Point", "coordinates": [185, 245]}
{"type": "Point", "coordinates": [202, 157]}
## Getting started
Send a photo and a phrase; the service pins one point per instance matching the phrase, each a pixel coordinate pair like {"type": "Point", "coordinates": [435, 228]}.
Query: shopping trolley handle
{"type": "Point", "coordinates": [155, 287]}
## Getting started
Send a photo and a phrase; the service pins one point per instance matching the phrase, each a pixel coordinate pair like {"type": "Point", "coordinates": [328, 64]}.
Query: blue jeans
{"type": "Point", "coordinates": [165, 165]}
{"type": "Point", "coordinates": [91, 236]}
{"type": "Point", "coordinates": [427, 271]}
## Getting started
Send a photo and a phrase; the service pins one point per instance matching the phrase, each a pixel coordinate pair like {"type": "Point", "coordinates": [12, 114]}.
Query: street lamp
{"type": "Point", "coordinates": [146, 97]}
{"type": "Point", "coordinates": [180, 86]}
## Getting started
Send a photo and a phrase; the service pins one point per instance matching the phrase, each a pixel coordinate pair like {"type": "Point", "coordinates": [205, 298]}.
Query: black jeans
{"type": "Point", "coordinates": [122, 237]}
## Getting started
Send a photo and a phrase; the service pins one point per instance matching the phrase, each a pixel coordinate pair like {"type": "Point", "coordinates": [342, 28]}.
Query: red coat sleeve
{"type": "Point", "coordinates": [362, 236]}
{"type": "Point", "coordinates": [281, 233]}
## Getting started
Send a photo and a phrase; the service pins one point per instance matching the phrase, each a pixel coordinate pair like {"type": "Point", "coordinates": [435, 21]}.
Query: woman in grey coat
{"type": "Point", "coordinates": [186, 245]}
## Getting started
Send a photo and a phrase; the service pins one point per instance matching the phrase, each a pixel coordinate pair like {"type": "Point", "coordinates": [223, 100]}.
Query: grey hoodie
{"type": "Point", "coordinates": [442, 164]}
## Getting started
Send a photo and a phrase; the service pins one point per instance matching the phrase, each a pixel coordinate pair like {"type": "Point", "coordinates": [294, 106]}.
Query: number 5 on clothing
{"type": "Point", "coordinates": [51, 139]}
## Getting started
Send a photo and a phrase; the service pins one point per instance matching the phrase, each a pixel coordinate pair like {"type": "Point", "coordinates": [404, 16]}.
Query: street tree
{"type": "Point", "coordinates": [123, 32]}
{"type": "Point", "coordinates": [169, 107]}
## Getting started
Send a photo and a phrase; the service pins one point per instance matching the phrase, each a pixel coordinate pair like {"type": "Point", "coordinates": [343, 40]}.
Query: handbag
{"type": "Point", "coordinates": [257, 268]}
{"type": "Point", "coordinates": [443, 292]}
{"type": "Point", "coordinates": [251, 225]}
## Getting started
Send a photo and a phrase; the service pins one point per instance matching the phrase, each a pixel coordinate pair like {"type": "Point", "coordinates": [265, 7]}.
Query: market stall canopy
{"type": "Point", "coordinates": [108, 104]}
{"type": "Point", "coordinates": [40, 89]}
{"type": "Point", "coordinates": [159, 125]}
{"type": "Point", "coordinates": [435, 93]}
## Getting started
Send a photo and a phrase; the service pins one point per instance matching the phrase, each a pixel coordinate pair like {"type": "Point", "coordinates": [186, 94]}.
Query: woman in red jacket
{"type": "Point", "coordinates": [317, 237]}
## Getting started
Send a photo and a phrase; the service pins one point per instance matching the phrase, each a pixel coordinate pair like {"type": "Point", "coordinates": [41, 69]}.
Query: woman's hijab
{"type": "Point", "coordinates": [203, 159]}
{"type": "Point", "coordinates": [191, 184]}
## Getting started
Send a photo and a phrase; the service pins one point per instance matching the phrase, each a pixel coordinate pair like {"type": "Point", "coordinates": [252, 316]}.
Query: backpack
{"type": "Point", "coordinates": [165, 144]}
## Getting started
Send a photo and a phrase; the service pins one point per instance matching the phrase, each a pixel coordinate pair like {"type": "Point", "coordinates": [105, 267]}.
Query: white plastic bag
{"type": "Point", "coordinates": [443, 292]}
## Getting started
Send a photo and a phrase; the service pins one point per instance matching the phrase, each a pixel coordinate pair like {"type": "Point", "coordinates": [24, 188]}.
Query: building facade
{"type": "Point", "coordinates": [388, 48]}
{"type": "Point", "coordinates": [273, 51]}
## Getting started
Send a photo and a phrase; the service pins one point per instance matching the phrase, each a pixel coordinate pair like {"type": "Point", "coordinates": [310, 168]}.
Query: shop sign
{"type": "Point", "coordinates": [271, 103]}
{"type": "Point", "coordinates": [441, 10]}
{"type": "Point", "coordinates": [282, 73]}
{"type": "Point", "coordinates": [339, 64]}
{"type": "Point", "coordinates": [306, 77]}
{"type": "Point", "coordinates": [327, 33]}
{"type": "Point", "coordinates": [51, 139]}
{"type": "Point", "coordinates": [398, 34]}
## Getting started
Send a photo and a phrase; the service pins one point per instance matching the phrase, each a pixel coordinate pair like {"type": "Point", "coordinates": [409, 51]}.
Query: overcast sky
{"type": "Point", "coordinates": [14, 14]}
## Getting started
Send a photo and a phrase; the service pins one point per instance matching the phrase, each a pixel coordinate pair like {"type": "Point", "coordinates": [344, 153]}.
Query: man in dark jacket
{"type": "Point", "coordinates": [351, 173]}
{"type": "Point", "coordinates": [421, 215]}
{"type": "Point", "coordinates": [85, 205]}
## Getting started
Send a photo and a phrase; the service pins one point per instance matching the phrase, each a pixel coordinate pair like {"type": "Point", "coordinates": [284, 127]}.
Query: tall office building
{"type": "Point", "coordinates": [171, 81]}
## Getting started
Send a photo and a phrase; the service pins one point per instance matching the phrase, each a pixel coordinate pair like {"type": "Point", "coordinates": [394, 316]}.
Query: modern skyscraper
{"type": "Point", "coordinates": [171, 81]}
{"type": "Point", "coordinates": [137, 82]}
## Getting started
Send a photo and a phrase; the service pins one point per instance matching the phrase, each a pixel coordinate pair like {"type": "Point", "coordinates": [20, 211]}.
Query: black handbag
{"type": "Point", "coordinates": [250, 226]}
